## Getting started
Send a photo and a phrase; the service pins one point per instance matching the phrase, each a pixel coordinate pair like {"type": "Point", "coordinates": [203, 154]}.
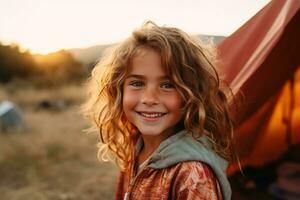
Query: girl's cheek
{"type": "Point", "coordinates": [175, 100]}
{"type": "Point", "coordinates": [130, 95]}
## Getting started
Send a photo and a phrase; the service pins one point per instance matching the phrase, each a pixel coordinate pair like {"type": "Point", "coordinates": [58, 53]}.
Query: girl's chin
{"type": "Point", "coordinates": [149, 133]}
{"type": "Point", "coordinates": [156, 133]}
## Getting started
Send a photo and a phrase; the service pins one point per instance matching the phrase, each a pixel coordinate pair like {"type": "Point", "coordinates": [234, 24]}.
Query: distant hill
{"type": "Point", "coordinates": [89, 56]}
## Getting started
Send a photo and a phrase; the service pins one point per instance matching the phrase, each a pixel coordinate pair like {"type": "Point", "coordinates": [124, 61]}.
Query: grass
{"type": "Point", "coordinates": [53, 159]}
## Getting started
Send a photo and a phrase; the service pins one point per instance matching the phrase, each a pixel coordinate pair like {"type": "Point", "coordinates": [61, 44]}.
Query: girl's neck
{"type": "Point", "coordinates": [152, 142]}
{"type": "Point", "coordinates": [149, 146]}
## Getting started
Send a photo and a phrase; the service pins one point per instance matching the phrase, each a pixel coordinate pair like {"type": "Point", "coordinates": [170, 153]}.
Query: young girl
{"type": "Point", "coordinates": [163, 117]}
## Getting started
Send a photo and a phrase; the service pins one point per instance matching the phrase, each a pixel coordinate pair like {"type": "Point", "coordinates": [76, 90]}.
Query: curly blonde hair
{"type": "Point", "coordinates": [190, 65]}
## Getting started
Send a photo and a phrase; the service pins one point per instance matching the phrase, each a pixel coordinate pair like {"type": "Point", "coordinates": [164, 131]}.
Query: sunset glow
{"type": "Point", "coordinates": [44, 26]}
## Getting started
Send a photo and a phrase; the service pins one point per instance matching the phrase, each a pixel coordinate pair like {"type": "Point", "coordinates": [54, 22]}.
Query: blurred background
{"type": "Point", "coordinates": [47, 51]}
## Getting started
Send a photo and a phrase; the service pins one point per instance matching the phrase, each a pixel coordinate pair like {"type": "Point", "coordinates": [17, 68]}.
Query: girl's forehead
{"type": "Point", "coordinates": [147, 62]}
{"type": "Point", "coordinates": [144, 55]}
{"type": "Point", "coordinates": [142, 51]}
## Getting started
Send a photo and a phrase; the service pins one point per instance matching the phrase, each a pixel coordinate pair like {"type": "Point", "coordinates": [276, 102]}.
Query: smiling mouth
{"type": "Point", "coordinates": [152, 114]}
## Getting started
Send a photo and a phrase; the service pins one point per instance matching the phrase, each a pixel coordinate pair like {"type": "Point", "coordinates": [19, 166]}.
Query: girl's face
{"type": "Point", "coordinates": [150, 100]}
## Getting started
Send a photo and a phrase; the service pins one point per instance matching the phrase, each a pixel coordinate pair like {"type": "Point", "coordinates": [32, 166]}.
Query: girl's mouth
{"type": "Point", "coordinates": [152, 114]}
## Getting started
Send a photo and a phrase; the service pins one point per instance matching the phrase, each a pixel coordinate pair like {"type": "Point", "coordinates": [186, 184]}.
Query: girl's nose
{"type": "Point", "coordinates": [150, 96]}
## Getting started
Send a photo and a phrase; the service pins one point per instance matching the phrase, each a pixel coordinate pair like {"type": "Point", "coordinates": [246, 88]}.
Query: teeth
{"type": "Point", "coordinates": [154, 115]}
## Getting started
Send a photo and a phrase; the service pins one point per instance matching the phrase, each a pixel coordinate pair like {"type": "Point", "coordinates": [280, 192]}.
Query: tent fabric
{"type": "Point", "coordinates": [260, 60]}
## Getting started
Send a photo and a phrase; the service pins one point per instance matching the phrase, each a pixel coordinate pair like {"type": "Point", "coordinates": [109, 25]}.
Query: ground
{"type": "Point", "coordinates": [53, 159]}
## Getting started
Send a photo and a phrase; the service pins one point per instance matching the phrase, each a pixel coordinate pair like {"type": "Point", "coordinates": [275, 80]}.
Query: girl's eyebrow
{"type": "Point", "coordinates": [135, 76]}
{"type": "Point", "coordinates": [144, 77]}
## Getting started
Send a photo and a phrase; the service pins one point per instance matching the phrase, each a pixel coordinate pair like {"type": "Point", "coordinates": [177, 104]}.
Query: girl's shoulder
{"type": "Point", "coordinates": [195, 179]}
{"type": "Point", "coordinates": [195, 169]}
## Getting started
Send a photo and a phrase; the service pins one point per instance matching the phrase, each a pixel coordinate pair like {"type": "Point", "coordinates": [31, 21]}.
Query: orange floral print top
{"type": "Point", "coordinates": [186, 180]}
{"type": "Point", "coordinates": [181, 168]}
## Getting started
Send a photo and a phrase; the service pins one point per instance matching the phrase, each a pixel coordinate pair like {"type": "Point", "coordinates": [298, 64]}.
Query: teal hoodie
{"type": "Point", "coordinates": [183, 147]}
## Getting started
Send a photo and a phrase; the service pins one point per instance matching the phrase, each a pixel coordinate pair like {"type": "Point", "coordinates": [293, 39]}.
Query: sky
{"type": "Point", "coordinates": [44, 26]}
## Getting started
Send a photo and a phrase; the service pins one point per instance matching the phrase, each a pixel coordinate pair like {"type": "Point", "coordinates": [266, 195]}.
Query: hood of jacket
{"type": "Point", "coordinates": [184, 147]}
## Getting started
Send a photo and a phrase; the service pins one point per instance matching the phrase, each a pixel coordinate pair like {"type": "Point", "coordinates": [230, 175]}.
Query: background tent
{"type": "Point", "coordinates": [261, 59]}
{"type": "Point", "coordinates": [10, 117]}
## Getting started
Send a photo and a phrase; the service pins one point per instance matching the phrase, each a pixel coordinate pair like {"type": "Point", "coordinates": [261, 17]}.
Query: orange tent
{"type": "Point", "coordinates": [262, 61]}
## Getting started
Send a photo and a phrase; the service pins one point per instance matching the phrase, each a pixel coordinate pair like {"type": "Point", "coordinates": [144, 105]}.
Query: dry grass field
{"type": "Point", "coordinates": [53, 159]}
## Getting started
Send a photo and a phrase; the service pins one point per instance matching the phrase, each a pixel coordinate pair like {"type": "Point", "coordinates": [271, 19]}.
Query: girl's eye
{"type": "Point", "coordinates": [136, 84]}
{"type": "Point", "coordinates": [167, 85]}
